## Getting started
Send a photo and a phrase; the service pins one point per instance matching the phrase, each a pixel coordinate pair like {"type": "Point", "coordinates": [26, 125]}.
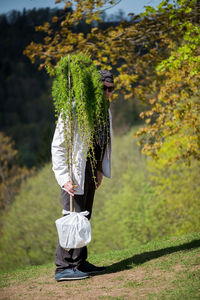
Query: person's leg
{"type": "Point", "coordinates": [75, 257]}
{"type": "Point", "coordinates": [85, 266]}
{"type": "Point", "coordinates": [72, 258]}
{"type": "Point", "coordinates": [89, 189]}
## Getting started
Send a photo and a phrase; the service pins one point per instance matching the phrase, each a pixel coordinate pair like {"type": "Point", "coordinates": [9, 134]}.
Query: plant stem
{"type": "Point", "coordinates": [70, 139]}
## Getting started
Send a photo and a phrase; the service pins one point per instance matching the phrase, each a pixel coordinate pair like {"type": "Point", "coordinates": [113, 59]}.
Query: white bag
{"type": "Point", "coordinates": [74, 230]}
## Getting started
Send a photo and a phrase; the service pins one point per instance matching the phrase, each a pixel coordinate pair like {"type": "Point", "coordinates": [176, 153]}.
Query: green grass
{"type": "Point", "coordinates": [167, 269]}
{"type": "Point", "coordinates": [21, 275]}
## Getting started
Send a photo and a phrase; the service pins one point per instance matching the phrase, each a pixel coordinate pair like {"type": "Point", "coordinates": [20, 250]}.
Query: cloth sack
{"type": "Point", "coordinates": [74, 230]}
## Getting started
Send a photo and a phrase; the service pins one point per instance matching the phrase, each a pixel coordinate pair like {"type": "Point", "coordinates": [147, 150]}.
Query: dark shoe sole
{"type": "Point", "coordinates": [70, 278]}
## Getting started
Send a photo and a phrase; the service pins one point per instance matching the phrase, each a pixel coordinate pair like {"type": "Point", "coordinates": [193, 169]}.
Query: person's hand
{"type": "Point", "coordinates": [70, 188]}
{"type": "Point", "coordinates": [99, 179]}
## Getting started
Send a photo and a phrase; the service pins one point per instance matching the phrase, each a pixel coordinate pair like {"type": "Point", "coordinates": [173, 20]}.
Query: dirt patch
{"type": "Point", "coordinates": [134, 284]}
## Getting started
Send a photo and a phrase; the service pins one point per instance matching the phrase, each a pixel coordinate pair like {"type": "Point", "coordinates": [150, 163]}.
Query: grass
{"type": "Point", "coordinates": [24, 274]}
{"type": "Point", "coordinates": [167, 269]}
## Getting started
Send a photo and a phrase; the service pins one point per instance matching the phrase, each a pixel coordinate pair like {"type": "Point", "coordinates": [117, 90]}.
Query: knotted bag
{"type": "Point", "coordinates": [74, 230]}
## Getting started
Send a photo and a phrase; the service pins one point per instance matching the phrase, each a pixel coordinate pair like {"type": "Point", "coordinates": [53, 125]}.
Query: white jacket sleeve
{"type": "Point", "coordinates": [58, 151]}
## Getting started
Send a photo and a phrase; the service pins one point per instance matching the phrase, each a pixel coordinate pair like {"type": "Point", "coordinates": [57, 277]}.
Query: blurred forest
{"type": "Point", "coordinates": [26, 107]}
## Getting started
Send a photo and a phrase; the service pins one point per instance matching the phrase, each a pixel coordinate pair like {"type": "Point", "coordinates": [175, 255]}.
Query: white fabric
{"type": "Point", "coordinates": [60, 167]}
{"type": "Point", "coordinates": [74, 230]}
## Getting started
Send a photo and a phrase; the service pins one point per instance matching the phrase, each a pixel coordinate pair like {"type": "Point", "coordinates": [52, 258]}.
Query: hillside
{"type": "Point", "coordinates": [133, 209]}
{"type": "Point", "coordinates": [167, 269]}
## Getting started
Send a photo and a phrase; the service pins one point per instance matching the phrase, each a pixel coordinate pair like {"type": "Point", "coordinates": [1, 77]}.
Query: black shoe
{"type": "Point", "coordinates": [90, 269]}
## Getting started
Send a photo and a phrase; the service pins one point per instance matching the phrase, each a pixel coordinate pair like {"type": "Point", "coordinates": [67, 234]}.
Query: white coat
{"type": "Point", "coordinates": [60, 167]}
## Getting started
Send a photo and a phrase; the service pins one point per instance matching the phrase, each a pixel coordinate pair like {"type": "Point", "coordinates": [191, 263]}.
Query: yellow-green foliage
{"type": "Point", "coordinates": [29, 233]}
{"type": "Point", "coordinates": [177, 190]}
{"type": "Point", "coordinates": [150, 199]}
{"type": "Point", "coordinates": [133, 207]}
{"type": "Point", "coordinates": [122, 205]}
{"type": "Point", "coordinates": [157, 59]}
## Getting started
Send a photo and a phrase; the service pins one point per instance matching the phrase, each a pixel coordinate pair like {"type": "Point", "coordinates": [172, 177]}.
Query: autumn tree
{"type": "Point", "coordinates": [155, 57]}
{"type": "Point", "coordinates": [175, 107]}
{"type": "Point", "coordinates": [11, 174]}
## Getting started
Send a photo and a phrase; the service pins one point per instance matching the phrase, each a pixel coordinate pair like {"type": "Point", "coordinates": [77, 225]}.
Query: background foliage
{"type": "Point", "coordinates": [26, 106]}
{"type": "Point", "coordinates": [155, 58]}
{"type": "Point", "coordinates": [137, 205]}
{"type": "Point", "coordinates": [155, 55]}
{"type": "Point", "coordinates": [11, 174]}
{"type": "Point", "coordinates": [176, 186]}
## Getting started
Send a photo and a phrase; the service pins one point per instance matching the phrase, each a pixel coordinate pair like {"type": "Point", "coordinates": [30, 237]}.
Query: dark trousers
{"type": "Point", "coordinates": [74, 257]}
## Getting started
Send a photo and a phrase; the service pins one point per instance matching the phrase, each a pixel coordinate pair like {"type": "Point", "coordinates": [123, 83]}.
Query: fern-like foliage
{"type": "Point", "coordinates": [80, 100]}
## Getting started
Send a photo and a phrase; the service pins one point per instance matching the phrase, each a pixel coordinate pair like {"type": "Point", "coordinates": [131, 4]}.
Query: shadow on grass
{"type": "Point", "coordinates": [139, 259]}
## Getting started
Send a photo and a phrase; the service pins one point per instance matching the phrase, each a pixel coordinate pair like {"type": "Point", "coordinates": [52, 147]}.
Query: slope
{"type": "Point", "coordinates": [167, 269]}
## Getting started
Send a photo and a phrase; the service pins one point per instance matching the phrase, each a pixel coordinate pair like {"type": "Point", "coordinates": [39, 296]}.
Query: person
{"type": "Point", "coordinates": [73, 264]}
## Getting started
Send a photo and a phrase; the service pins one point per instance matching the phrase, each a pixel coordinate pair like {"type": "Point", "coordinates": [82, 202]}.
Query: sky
{"type": "Point", "coordinates": [135, 6]}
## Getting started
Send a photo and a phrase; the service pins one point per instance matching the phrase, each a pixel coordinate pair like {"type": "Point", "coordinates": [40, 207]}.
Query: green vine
{"type": "Point", "coordinates": [79, 98]}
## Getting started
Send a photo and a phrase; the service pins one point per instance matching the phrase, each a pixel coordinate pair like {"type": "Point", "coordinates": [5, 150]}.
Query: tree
{"type": "Point", "coordinates": [11, 174]}
{"type": "Point", "coordinates": [156, 59]}
{"type": "Point", "coordinates": [26, 107]}
{"type": "Point", "coordinates": [175, 109]}
{"type": "Point", "coordinates": [76, 82]}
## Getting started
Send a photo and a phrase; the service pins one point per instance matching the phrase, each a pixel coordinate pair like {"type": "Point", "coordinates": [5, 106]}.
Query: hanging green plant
{"type": "Point", "coordinates": [80, 100]}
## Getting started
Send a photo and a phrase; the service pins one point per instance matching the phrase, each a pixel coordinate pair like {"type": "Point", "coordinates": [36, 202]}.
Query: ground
{"type": "Point", "coordinates": [171, 272]}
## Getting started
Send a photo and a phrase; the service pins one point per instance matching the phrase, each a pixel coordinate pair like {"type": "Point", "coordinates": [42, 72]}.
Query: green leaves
{"type": "Point", "coordinates": [81, 103]}
{"type": "Point", "coordinates": [177, 80]}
